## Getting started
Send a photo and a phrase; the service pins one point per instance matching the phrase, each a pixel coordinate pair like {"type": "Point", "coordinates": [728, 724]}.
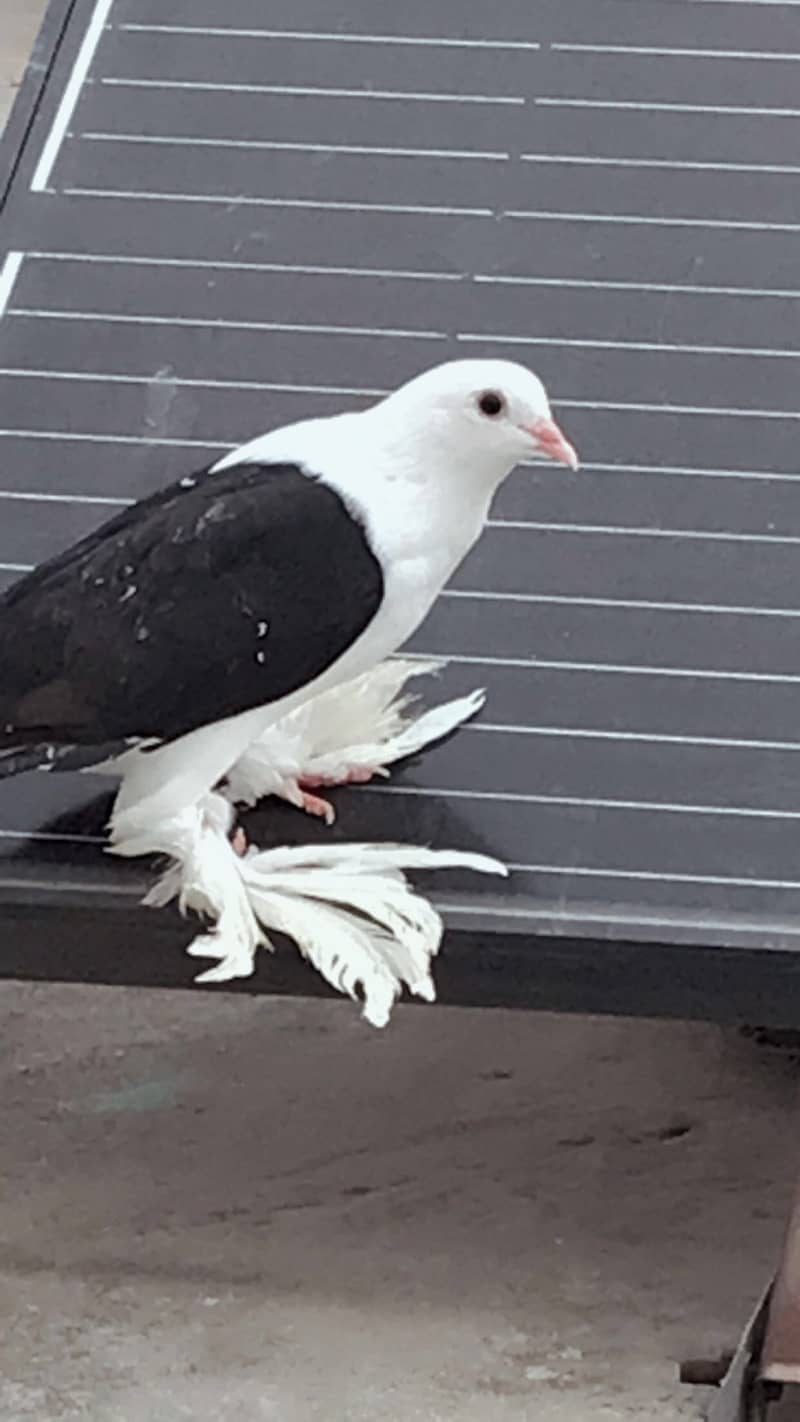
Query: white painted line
{"type": "Point", "coordinates": [435, 42]}
{"type": "Point", "coordinates": [583, 160]}
{"type": "Point", "coordinates": [645, 49]}
{"type": "Point", "coordinates": [86, 438]}
{"type": "Point", "coordinates": [777, 4]}
{"type": "Point", "coordinates": [8, 275]}
{"type": "Point", "coordinates": [536, 664]}
{"type": "Point", "coordinates": [268, 145]}
{"type": "Point", "coordinates": [220, 323]}
{"type": "Point", "coordinates": [564, 914]}
{"type": "Point", "coordinates": [16, 567]}
{"type": "Point", "coordinates": [377, 392]}
{"type": "Point", "coordinates": [659, 108]}
{"type": "Point", "coordinates": [714, 410]}
{"type": "Point", "coordinates": [27, 496]}
{"type": "Point", "coordinates": [592, 405]}
{"type": "Point", "coordinates": [41, 836]}
{"type": "Point", "coordinates": [112, 378]}
{"type": "Point", "coordinates": [663, 348]}
{"type": "Point", "coordinates": [439, 96]}
{"type": "Point", "coordinates": [129, 889]}
{"type": "Point", "coordinates": [645, 737]}
{"type": "Point", "coordinates": [670, 470]}
{"type": "Point", "coordinates": [634, 531]}
{"type": "Point", "coordinates": [230, 201]}
{"type": "Point", "coordinates": [579, 282]}
{"type": "Point", "coordinates": [628, 604]}
{"type": "Point", "coordinates": [125, 259]}
{"type": "Point", "coordinates": [518, 797]}
{"type": "Point", "coordinates": [652, 875]}
{"type": "Point", "coordinates": [69, 98]}
{"type": "Point", "coordinates": [635, 219]}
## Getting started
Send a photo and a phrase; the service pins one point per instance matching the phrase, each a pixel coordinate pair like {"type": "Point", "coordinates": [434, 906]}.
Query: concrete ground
{"type": "Point", "coordinates": [219, 1208]}
{"type": "Point", "coordinates": [19, 21]}
{"type": "Point", "coordinates": [232, 1210]}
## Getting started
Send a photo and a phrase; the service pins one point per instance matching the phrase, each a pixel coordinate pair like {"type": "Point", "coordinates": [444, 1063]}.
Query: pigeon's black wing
{"type": "Point", "coordinates": [223, 592]}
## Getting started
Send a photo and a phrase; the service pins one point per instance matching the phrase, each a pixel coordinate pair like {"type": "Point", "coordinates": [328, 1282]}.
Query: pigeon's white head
{"type": "Point", "coordinates": [490, 414]}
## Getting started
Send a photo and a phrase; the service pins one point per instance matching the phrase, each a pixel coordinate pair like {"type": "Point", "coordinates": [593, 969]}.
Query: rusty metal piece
{"type": "Point", "coordinates": [780, 1358]}
{"type": "Point", "coordinates": [741, 1396]}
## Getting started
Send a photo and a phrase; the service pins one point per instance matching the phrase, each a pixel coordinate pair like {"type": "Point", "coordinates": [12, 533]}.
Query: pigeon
{"type": "Point", "coordinates": [182, 633]}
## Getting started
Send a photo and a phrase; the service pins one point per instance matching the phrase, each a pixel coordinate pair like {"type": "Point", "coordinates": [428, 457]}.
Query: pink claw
{"type": "Point", "coordinates": [315, 805]}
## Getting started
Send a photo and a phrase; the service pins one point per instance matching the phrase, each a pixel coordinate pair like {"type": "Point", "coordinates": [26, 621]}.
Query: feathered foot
{"type": "Point", "coordinates": [349, 908]}
{"type": "Point", "coordinates": [345, 736]}
{"type": "Point", "coordinates": [352, 912]}
{"type": "Point", "coordinates": [204, 874]}
{"type": "Point", "coordinates": [313, 804]}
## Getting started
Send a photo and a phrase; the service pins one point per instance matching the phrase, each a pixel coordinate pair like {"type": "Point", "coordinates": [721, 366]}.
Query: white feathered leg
{"type": "Point", "coordinates": [353, 914]}
{"type": "Point", "coordinates": [349, 908]}
{"type": "Point", "coordinates": [345, 735]}
{"type": "Point", "coordinates": [204, 875]}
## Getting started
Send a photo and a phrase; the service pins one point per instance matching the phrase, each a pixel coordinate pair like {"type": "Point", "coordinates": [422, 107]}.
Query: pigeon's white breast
{"type": "Point", "coordinates": [421, 520]}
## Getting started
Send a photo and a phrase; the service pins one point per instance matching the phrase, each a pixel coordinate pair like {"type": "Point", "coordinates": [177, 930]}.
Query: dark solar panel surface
{"type": "Point", "coordinates": [227, 218]}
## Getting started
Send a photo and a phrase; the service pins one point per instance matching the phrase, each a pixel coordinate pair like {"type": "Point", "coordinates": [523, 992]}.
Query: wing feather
{"type": "Point", "coordinates": [225, 591]}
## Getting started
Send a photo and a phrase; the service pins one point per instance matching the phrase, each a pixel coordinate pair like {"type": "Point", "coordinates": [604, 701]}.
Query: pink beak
{"type": "Point", "coordinates": [549, 439]}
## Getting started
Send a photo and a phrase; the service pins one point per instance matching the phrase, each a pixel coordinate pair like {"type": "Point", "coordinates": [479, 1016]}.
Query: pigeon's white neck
{"type": "Point", "coordinates": [433, 449]}
{"type": "Point", "coordinates": [417, 491]}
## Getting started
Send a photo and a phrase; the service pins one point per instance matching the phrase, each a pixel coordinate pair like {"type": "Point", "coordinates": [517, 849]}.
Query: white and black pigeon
{"type": "Point", "coordinates": [199, 618]}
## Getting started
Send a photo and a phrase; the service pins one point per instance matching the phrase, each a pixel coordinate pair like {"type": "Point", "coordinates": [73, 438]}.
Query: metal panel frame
{"type": "Point", "coordinates": [492, 957]}
{"type": "Point", "coordinates": [65, 924]}
{"type": "Point", "coordinates": [47, 44]}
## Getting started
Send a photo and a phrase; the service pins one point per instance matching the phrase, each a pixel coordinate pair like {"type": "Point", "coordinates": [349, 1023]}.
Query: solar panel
{"type": "Point", "coordinates": [222, 221]}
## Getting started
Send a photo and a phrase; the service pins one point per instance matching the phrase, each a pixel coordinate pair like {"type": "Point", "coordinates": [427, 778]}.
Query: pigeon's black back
{"type": "Point", "coordinates": [225, 591]}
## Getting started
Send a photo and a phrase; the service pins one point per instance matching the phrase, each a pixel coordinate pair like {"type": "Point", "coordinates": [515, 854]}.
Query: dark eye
{"type": "Point", "coordinates": [490, 403]}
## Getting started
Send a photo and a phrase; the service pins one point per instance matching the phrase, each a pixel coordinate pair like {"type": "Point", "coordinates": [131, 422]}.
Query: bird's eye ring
{"type": "Point", "coordinates": [491, 404]}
